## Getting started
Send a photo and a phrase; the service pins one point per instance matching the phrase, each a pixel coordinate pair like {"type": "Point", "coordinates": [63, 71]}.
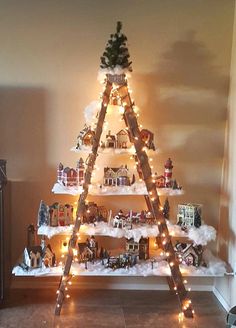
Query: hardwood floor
{"type": "Point", "coordinates": [108, 308]}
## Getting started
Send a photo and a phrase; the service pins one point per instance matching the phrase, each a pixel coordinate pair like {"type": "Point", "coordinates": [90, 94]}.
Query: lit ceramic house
{"type": "Point", "coordinates": [93, 213]}
{"type": "Point", "coordinates": [189, 215]}
{"type": "Point", "coordinates": [35, 256]}
{"type": "Point", "coordinates": [60, 215]}
{"type": "Point", "coordinates": [122, 221]}
{"type": "Point", "coordinates": [148, 138]}
{"type": "Point", "coordinates": [141, 248]}
{"type": "Point", "coordinates": [84, 253]}
{"type": "Point", "coordinates": [49, 258]}
{"type": "Point", "coordinates": [85, 137]}
{"type": "Point", "coordinates": [116, 176]}
{"type": "Point", "coordinates": [88, 251]}
{"type": "Point", "coordinates": [80, 168]}
{"type": "Point", "coordinates": [70, 177]}
{"type": "Point", "coordinates": [122, 139]}
{"type": "Point", "coordinates": [67, 176]}
{"type": "Point", "coordinates": [189, 254]}
{"type": "Point", "coordinates": [110, 140]}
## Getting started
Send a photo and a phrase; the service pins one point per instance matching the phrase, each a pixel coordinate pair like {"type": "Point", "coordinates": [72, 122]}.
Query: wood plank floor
{"type": "Point", "coordinates": [108, 308]}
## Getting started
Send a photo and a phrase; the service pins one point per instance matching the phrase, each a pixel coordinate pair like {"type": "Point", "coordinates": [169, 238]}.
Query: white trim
{"type": "Point", "coordinates": [221, 299]}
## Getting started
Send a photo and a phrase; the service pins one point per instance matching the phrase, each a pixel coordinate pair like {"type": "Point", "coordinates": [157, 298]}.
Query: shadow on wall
{"type": "Point", "coordinates": [187, 94]}
{"type": "Point", "coordinates": [23, 145]}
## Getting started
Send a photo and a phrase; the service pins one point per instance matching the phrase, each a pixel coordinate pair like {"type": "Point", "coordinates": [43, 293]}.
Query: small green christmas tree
{"type": "Point", "coordinates": [166, 209]}
{"type": "Point", "coordinates": [116, 52]}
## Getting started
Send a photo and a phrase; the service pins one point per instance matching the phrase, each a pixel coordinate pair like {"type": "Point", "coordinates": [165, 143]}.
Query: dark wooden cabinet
{"type": "Point", "coordinates": [4, 233]}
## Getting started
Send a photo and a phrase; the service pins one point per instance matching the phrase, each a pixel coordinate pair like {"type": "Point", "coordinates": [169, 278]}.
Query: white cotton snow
{"type": "Point", "coordinates": [202, 235]}
{"type": "Point", "coordinates": [91, 111]}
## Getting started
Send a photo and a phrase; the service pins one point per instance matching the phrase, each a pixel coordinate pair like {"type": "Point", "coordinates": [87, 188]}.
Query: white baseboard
{"type": "Point", "coordinates": [221, 299]}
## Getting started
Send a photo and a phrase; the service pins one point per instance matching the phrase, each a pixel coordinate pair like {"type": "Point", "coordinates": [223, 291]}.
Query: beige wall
{"type": "Point", "coordinates": [226, 287]}
{"type": "Point", "coordinates": [49, 57]}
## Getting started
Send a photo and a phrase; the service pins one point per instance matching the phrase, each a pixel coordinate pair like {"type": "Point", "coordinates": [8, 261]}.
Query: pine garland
{"type": "Point", "coordinates": [116, 52]}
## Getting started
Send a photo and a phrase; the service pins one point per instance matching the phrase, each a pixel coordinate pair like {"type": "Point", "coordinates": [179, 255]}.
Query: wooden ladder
{"type": "Point", "coordinates": [175, 281]}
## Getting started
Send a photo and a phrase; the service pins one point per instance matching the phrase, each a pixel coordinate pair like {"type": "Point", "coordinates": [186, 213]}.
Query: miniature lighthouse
{"type": "Point", "coordinates": [80, 171]}
{"type": "Point", "coordinates": [168, 172]}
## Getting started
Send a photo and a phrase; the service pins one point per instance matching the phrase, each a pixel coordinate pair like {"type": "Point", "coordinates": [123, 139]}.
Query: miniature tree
{"type": "Point", "coordinates": [197, 218]}
{"type": "Point", "coordinates": [43, 218]}
{"type": "Point", "coordinates": [116, 52]}
{"type": "Point", "coordinates": [166, 209]}
{"type": "Point", "coordinates": [175, 185]}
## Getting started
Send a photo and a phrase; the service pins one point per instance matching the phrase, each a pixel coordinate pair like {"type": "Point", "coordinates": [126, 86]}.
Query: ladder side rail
{"type": "Point", "coordinates": [81, 201]}
{"type": "Point", "coordinates": [132, 124]}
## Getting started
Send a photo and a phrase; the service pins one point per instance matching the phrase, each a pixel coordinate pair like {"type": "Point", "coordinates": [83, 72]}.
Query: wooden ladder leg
{"type": "Point", "coordinates": [166, 243]}
{"type": "Point", "coordinates": [81, 202]}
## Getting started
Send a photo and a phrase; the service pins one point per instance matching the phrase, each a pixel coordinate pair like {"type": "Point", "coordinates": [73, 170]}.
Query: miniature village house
{"type": "Point", "coordinates": [189, 254]}
{"type": "Point", "coordinates": [55, 215]}
{"type": "Point", "coordinates": [70, 177]}
{"type": "Point", "coordinates": [35, 256]}
{"type": "Point", "coordinates": [85, 137]}
{"type": "Point", "coordinates": [116, 176]}
{"type": "Point", "coordinates": [110, 140]}
{"type": "Point", "coordinates": [94, 213]}
{"type": "Point", "coordinates": [147, 137]}
{"type": "Point", "coordinates": [189, 215]}
{"type": "Point", "coordinates": [120, 140]}
{"type": "Point", "coordinates": [60, 215]}
{"type": "Point", "coordinates": [141, 248]}
{"type": "Point", "coordinates": [122, 221]}
{"type": "Point", "coordinates": [88, 251]}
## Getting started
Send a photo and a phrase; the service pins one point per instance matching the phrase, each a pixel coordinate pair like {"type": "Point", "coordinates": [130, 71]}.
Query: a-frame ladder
{"type": "Point", "coordinates": [152, 199]}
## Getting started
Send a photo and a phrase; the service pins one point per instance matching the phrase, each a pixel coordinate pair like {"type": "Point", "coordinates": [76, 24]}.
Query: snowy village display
{"type": "Point", "coordinates": [140, 256]}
